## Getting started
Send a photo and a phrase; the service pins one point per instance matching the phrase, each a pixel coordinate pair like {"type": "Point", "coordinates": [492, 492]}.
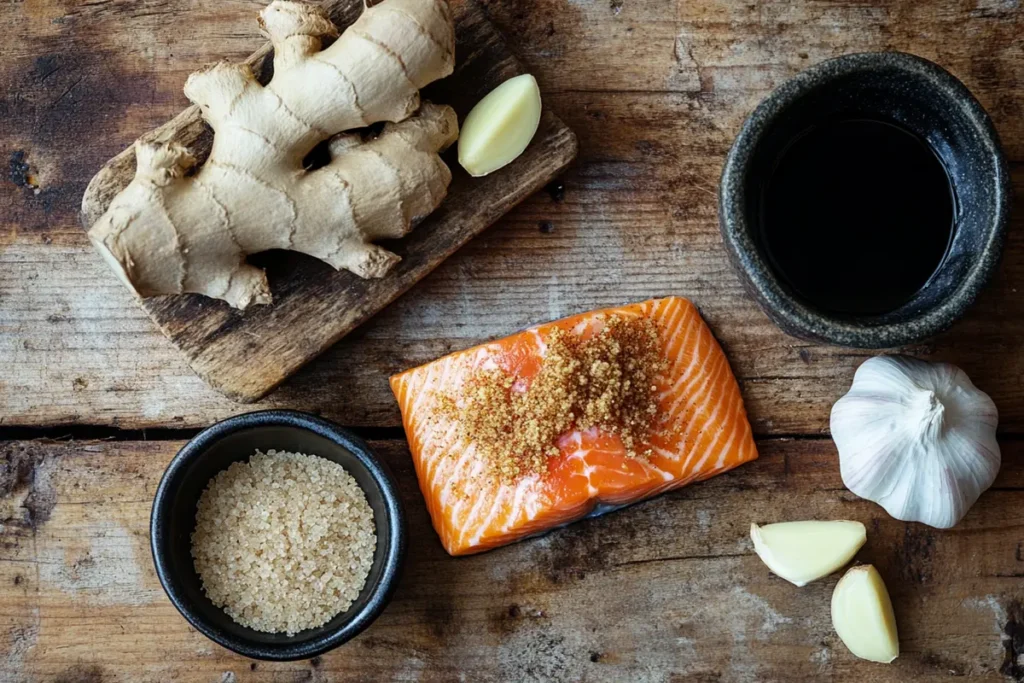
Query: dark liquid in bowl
{"type": "Point", "coordinates": [856, 216]}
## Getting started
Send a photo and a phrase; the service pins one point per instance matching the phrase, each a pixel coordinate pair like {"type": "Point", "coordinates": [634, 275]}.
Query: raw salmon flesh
{"type": "Point", "coordinates": [703, 430]}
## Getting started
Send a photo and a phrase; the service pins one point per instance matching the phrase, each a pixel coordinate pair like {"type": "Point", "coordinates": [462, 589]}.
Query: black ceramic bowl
{"type": "Point", "coordinates": [237, 438]}
{"type": "Point", "coordinates": [920, 97]}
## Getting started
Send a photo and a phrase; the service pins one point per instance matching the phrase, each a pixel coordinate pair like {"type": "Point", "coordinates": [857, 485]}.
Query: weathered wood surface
{"type": "Point", "coordinates": [655, 92]}
{"type": "Point", "coordinates": [666, 590]}
{"type": "Point", "coordinates": [247, 354]}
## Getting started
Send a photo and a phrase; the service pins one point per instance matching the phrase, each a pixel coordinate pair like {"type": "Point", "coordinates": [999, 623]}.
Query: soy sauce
{"type": "Point", "coordinates": [857, 215]}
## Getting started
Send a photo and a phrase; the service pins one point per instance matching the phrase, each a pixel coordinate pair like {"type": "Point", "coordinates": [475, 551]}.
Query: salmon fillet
{"type": "Point", "coordinates": [702, 430]}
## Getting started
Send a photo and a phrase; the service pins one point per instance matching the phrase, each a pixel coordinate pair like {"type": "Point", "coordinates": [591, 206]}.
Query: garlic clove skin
{"type": "Point", "coordinates": [917, 438]}
{"type": "Point", "coordinates": [801, 552]}
{"type": "Point", "coordinates": [862, 615]}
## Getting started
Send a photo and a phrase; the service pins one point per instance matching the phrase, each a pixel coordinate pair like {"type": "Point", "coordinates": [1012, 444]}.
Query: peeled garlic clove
{"type": "Point", "coordinates": [801, 552]}
{"type": "Point", "coordinates": [500, 126]}
{"type": "Point", "coordinates": [862, 615]}
{"type": "Point", "coordinates": [917, 438]}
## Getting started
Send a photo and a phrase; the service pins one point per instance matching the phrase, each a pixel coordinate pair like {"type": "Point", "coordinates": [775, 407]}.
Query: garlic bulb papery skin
{"type": "Point", "coordinates": [917, 438]}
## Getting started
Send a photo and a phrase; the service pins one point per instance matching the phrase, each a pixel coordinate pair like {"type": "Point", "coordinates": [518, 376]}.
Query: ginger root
{"type": "Point", "coordinates": [171, 232]}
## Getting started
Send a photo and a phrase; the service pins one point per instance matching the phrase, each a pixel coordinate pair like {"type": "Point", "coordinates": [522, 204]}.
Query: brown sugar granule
{"type": "Point", "coordinates": [283, 542]}
{"type": "Point", "coordinates": [605, 381]}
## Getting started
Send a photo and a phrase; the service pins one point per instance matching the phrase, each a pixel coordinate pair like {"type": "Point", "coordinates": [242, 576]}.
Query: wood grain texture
{"type": "Point", "coordinates": [79, 600]}
{"type": "Point", "coordinates": [666, 590]}
{"type": "Point", "coordinates": [637, 217]}
{"type": "Point", "coordinates": [80, 353]}
{"type": "Point", "coordinates": [247, 354]}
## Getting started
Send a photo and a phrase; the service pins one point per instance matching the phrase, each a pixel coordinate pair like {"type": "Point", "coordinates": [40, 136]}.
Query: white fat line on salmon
{"type": "Point", "coordinates": [472, 515]}
{"type": "Point", "coordinates": [696, 404]}
{"type": "Point", "coordinates": [588, 469]}
{"type": "Point", "coordinates": [670, 326]}
{"type": "Point", "coordinates": [441, 439]}
{"type": "Point", "coordinates": [533, 504]}
{"type": "Point", "coordinates": [425, 394]}
{"type": "Point", "coordinates": [692, 395]}
{"type": "Point", "coordinates": [484, 360]}
{"type": "Point", "coordinates": [708, 449]}
{"type": "Point", "coordinates": [736, 429]}
{"type": "Point", "coordinates": [433, 457]}
{"type": "Point", "coordinates": [421, 394]}
{"type": "Point", "coordinates": [477, 472]}
{"type": "Point", "coordinates": [672, 321]}
{"type": "Point", "coordinates": [452, 479]}
{"type": "Point", "coordinates": [439, 475]}
{"type": "Point", "coordinates": [542, 347]}
{"type": "Point", "coordinates": [499, 503]}
{"type": "Point", "coordinates": [667, 476]}
{"type": "Point", "coordinates": [518, 500]}
{"type": "Point", "coordinates": [684, 377]}
{"type": "Point", "coordinates": [666, 453]}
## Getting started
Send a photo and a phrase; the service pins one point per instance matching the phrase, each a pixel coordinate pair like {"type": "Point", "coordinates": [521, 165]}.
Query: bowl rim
{"type": "Point", "coordinates": [786, 310]}
{"type": "Point", "coordinates": [387, 582]}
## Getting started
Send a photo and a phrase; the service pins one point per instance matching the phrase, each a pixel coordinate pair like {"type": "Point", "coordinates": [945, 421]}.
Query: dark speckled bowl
{"type": "Point", "coordinates": [923, 98]}
{"type": "Point", "coordinates": [173, 520]}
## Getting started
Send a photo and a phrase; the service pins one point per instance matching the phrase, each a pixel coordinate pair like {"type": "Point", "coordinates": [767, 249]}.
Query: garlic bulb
{"type": "Point", "coordinates": [917, 438]}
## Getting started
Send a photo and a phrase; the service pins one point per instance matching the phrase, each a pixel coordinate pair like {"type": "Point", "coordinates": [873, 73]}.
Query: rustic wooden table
{"type": "Point", "coordinates": [94, 401]}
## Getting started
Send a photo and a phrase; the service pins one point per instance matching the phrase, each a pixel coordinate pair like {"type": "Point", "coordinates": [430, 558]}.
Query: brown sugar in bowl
{"type": "Point", "coordinates": [236, 439]}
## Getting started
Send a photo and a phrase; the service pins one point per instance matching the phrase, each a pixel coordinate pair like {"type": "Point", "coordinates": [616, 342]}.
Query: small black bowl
{"type": "Point", "coordinates": [237, 438]}
{"type": "Point", "coordinates": [919, 96]}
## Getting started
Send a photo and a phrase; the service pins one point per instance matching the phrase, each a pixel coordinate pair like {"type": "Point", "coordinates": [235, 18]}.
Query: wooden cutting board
{"type": "Point", "coordinates": [247, 354]}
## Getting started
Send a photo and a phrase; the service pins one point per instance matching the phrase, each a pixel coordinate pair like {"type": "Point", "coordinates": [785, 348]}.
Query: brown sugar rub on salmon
{"type": "Point", "coordinates": [533, 431]}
